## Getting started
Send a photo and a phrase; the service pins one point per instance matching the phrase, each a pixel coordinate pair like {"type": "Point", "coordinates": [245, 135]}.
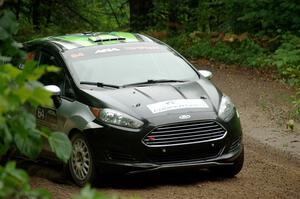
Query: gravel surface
{"type": "Point", "coordinates": [272, 153]}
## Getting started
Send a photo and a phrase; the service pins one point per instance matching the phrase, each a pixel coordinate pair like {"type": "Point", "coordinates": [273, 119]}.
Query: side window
{"type": "Point", "coordinates": [48, 58]}
{"type": "Point", "coordinates": [51, 78]}
{"type": "Point", "coordinates": [30, 56]}
{"type": "Point", "coordinates": [67, 90]}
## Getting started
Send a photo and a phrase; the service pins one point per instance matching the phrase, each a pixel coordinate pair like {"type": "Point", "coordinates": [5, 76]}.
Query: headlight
{"type": "Point", "coordinates": [226, 109]}
{"type": "Point", "coordinates": [120, 119]}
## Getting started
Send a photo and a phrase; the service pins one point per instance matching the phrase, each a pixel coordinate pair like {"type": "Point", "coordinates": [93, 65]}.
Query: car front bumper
{"type": "Point", "coordinates": [141, 167]}
{"type": "Point", "coordinates": [117, 151]}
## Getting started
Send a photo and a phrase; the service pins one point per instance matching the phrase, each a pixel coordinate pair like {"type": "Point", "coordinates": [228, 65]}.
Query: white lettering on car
{"type": "Point", "coordinates": [142, 48]}
{"type": "Point", "coordinates": [177, 104]}
{"type": "Point", "coordinates": [75, 55]}
{"type": "Point", "coordinates": [106, 50]}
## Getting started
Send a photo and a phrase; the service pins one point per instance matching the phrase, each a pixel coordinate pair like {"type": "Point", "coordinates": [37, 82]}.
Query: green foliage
{"type": "Point", "coordinates": [245, 52]}
{"type": "Point", "coordinates": [287, 59]}
{"type": "Point", "coordinates": [18, 126]}
{"type": "Point", "coordinates": [20, 93]}
{"type": "Point", "coordinates": [265, 17]}
{"type": "Point", "coordinates": [88, 193]}
{"type": "Point", "coordinates": [8, 28]}
{"type": "Point", "coordinates": [188, 15]}
{"type": "Point", "coordinates": [14, 183]}
{"type": "Point", "coordinates": [62, 17]}
{"type": "Point", "coordinates": [59, 145]}
{"type": "Point", "coordinates": [296, 105]}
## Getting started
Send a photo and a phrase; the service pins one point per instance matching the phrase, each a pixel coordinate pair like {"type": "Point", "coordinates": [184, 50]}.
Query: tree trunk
{"type": "Point", "coordinates": [18, 7]}
{"type": "Point", "coordinates": [36, 21]}
{"type": "Point", "coordinates": [139, 10]}
{"type": "Point", "coordinates": [174, 23]}
{"type": "Point", "coordinates": [49, 11]}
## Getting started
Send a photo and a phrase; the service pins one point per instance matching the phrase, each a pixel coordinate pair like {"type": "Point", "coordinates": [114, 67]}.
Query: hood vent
{"type": "Point", "coordinates": [105, 38]}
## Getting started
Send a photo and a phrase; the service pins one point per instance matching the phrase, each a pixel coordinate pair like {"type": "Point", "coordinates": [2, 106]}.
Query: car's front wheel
{"type": "Point", "coordinates": [81, 164]}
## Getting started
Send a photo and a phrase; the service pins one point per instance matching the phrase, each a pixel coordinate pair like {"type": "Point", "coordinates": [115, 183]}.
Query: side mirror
{"type": "Point", "coordinates": [55, 90]}
{"type": "Point", "coordinates": [205, 73]}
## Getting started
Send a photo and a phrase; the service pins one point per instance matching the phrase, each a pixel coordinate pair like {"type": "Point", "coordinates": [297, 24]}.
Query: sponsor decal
{"type": "Point", "coordinates": [40, 113]}
{"type": "Point", "coordinates": [46, 114]}
{"type": "Point", "coordinates": [184, 117]}
{"type": "Point", "coordinates": [107, 50]}
{"type": "Point", "coordinates": [142, 48]}
{"type": "Point", "coordinates": [177, 104]}
{"type": "Point", "coordinates": [151, 138]}
{"type": "Point", "coordinates": [75, 55]}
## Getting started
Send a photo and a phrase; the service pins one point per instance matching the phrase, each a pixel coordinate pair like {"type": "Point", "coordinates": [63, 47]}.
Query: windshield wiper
{"type": "Point", "coordinates": [100, 84]}
{"type": "Point", "coordinates": [152, 81]}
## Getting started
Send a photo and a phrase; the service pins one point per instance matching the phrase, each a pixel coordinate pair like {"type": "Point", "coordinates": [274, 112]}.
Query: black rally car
{"type": "Point", "coordinates": [130, 103]}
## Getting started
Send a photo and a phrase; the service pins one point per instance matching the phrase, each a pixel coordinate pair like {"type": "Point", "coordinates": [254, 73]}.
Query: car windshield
{"type": "Point", "coordinates": [130, 68]}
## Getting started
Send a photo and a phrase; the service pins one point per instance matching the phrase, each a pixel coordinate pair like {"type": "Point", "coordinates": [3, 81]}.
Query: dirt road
{"type": "Point", "coordinates": [272, 153]}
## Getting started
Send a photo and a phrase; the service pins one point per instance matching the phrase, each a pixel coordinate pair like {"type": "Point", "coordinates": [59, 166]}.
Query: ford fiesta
{"type": "Point", "coordinates": [129, 103]}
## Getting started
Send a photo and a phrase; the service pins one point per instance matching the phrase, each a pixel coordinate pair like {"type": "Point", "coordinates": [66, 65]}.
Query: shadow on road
{"type": "Point", "coordinates": [180, 177]}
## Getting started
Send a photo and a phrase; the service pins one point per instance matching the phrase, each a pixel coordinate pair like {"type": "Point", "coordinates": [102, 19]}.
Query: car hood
{"type": "Point", "coordinates": [156, 100]}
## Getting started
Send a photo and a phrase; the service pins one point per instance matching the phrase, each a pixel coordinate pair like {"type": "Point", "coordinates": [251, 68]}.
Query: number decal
{"type": "Point", "coordinates": [40, 113]}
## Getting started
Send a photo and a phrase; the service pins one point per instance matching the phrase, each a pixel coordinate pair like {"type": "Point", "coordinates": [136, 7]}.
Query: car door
{"type": "Point", "coordinates": [61, 116]}
{"type": "Point", "coordinates": [47, 116]}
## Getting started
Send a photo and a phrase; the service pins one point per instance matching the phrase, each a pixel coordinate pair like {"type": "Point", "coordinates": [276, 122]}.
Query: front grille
{"type": "Point", "coordinates": [184, 133]}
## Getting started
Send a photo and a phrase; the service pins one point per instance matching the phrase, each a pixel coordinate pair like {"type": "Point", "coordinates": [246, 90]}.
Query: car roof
{"type": "Point", "coordinates": [79, 40]}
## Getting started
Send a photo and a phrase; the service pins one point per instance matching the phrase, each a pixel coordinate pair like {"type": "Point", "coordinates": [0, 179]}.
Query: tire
{"type": "Point", "coordinates": [231, 170]}
{"type": "Point", "coordinates": [81, 163]}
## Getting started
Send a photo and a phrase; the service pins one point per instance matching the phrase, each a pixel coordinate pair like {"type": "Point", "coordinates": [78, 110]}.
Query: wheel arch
{"type": "Point", "coordinates": [73, 131]}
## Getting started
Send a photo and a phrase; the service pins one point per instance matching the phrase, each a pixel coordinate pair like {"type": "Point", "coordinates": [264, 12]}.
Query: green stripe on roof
{"type": "Point", "coordinates": [77, 39]}
{"type": "Point", "coordinates": [84, 40]}
{"type": "Point", "coordinates": [127, 35]}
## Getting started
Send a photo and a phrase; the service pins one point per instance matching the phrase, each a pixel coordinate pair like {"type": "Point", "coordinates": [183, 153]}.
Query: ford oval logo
{"type": "Point", "coordinates": [184, 117]}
